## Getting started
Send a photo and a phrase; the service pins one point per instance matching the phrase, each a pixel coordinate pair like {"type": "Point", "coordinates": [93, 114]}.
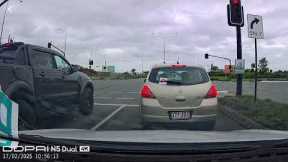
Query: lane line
{"type": "Point", "coordinates": [108, 118]}
{"type": "Point", "coordinates": [102, 97]}
{"type": "Point", "coordinates": [284, 81]}
{"type": "Point", "coordinates": [134, 92]}
{"type": "Point", "coordinates": [104, 104]}
{"type": "Point", "coordinates": [125, 98]}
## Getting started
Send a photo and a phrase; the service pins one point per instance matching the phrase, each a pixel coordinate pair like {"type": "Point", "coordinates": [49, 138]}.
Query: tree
{"type": "Point", "coordinates": [133, 71]}
{"type": "Point", "coordinates": [214, 68]}
{"type": "Point", "coordinates": [271, 71]}
{"type": "Point", "coordinates": [263, 65]}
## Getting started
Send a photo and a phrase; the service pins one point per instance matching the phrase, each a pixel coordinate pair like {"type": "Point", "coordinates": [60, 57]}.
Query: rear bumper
{"type": "Point", "coordinates": [165, 119]}
{"type": "Point", "coordinates": [152, 112]}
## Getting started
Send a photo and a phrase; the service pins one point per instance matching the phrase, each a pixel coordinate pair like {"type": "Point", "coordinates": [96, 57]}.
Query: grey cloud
{"type": "Point", "coordinates": [97, 26]}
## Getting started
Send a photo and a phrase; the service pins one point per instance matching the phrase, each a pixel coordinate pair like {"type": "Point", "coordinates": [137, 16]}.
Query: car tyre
{"type": "Point", "coordinates": [86, 101]}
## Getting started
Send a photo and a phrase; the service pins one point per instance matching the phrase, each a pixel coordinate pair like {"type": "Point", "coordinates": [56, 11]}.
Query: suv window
{"type": "Point", "coordinates": [42, 60]}
{"type": "Point", "coordinates": [183, 75]}
{"type": "Point", "coordinates": [61, 64]}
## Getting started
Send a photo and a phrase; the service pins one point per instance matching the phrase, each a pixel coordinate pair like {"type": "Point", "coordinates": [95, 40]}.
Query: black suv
{"type": "Point", "coordinates": [37, 78]}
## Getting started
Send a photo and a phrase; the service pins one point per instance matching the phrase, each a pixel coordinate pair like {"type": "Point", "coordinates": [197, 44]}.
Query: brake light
{"type": "Point", "coordinates": [213, 92]}
{"type": "Point", "coordinates": [7, 45]}
{"type": "Point", "coordinates": [146, 92]}
{"type": "Point", "coordinates": [178, 66]}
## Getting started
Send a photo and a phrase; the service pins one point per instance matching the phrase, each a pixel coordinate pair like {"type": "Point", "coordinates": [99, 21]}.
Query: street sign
{"type": "Point", "coordinates": [239, 66]}
{"type": "Point", "coordinates": [255, 26]}
{"type": "Point", "coordinates": [255, 30]}
{"type": "Point", "coordinates": [8, 120]}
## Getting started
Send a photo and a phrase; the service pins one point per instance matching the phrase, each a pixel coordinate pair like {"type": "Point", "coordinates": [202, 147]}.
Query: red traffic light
{"type": "Point", "coordinates": [235, 2]}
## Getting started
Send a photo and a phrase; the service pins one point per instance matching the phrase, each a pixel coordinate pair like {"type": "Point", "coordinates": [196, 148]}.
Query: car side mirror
{"type": "Point", "coordinates": [75, 68]}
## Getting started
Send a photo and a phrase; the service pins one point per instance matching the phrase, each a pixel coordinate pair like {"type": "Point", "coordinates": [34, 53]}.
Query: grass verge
{"type": "Point", "coordinates": [271, 115]}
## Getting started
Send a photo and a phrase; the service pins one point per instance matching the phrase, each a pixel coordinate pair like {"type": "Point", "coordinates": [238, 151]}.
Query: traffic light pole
{"type": "Point", "coordinates": [224, 58]}
{"type": "Point", "coordinates": [239, 57]}
{"type": "Point", "coordinates": [3, 2]}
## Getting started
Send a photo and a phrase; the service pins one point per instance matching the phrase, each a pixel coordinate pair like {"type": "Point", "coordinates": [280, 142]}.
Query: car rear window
{"type": "Point", "coordinates": [181, 76]}
{"type": "Point", "coordinates": [12, 55]}
{"type": "Point", "coordinates": [7, 56]}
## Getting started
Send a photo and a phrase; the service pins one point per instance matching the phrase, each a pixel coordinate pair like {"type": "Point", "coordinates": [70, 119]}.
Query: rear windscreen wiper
{"type": "Point", "coordinates": [174, 82]}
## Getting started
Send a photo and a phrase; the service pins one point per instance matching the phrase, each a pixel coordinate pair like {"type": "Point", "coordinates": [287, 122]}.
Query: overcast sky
{"type": "Point", "coordinates": [122, 30]}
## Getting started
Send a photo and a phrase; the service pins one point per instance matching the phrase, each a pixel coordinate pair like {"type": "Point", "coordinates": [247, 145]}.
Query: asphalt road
{"type": "Point", "coordinates": [116, 108]}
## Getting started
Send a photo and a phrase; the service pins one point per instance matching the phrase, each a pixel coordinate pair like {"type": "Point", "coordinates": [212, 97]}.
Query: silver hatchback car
{"type": "Point", "coordinates": [178, 94]}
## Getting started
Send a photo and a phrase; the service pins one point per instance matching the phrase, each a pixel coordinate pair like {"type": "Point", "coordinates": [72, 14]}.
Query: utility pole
{"type": "Point", "coordinates": [3, 22]}
{"type": "Point", "coordinates": [4, 17]}
{"type": "Point", "coordinates": [65, 43]}
{"type": "Point", "coordinates": [164, 51]}
{"type": "Point", "coordinates": [164, 46]}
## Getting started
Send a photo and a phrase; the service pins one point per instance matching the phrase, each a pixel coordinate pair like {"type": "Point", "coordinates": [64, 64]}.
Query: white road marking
{"type": "Point", "coordinates": [103, 98]}
{"type": "Point", "coordinates": [134, 92]}
{"type": "Point", "coordinates": [104, 104]}
{"type": "Point", "coordinates": [274, 81]}
{"type": "Point", "coordinates": [125, 98]}
{"type": "Point", "coordinates": [108, 118]}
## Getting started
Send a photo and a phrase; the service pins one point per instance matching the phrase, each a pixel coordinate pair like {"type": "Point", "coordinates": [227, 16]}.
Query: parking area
{"type": "Point", "coordinates": [117, 108]}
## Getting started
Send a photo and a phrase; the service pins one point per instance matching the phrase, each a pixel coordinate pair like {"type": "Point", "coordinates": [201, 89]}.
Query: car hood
{"type": "Point", "coordinates": [161, 136]}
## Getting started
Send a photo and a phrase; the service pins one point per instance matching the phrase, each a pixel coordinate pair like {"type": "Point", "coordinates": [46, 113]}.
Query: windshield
{"type": "Point", "coordinates": [158, 67]}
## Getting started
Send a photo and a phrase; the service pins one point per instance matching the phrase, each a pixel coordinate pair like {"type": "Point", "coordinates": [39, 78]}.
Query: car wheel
{"type": "Point", "coordinates": [27, 118]}
{"type": "Point", "coordinates": [86, 101]}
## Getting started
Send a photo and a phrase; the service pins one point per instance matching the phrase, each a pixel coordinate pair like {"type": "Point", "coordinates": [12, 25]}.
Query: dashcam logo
{"type": "Point", "coordinates": [84, 149]}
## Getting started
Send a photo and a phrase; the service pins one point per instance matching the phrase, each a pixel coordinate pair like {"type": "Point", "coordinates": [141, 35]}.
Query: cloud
{"type": "Point", "coordinates": [121, 31]}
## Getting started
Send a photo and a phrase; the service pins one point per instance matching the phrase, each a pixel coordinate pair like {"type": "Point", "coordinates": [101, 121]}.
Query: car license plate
{"type": "Point", "coordinates": [180, 115]}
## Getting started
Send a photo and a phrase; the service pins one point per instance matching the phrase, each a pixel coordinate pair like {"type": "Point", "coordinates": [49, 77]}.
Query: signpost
{"type": "Point", "coordinates": [239, 66]}
{"type": "Point", "coordinates": [255, 30]}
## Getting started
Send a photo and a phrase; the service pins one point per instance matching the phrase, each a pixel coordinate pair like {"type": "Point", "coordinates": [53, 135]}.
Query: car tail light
{"type": "Point", "coordinates": [146, 92]}
{"type": "Point", "coordinates": [213, 92]}
{"type": "Point", "coordinates": [7, 45]}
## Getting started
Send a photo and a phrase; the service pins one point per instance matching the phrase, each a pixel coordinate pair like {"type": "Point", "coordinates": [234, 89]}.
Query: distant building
{"type": "Point", "coordinates": [109, 68]}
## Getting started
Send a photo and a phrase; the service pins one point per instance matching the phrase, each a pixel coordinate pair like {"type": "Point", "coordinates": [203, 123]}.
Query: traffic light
{"type": "Point", "coordinates": [206, 56]}
{"type": "Point", "coordinates": [90, 62]}
{"type": "Point", "coordinates": [49, 44]}
{"type": "Point", "coordinates": [235, 13]}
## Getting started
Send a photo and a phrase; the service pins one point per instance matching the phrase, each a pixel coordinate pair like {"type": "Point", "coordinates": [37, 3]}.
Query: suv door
{"type": "Point", "coordinates": [47, 78]}
{"type": "Point", "coordinates": [70, 83]}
